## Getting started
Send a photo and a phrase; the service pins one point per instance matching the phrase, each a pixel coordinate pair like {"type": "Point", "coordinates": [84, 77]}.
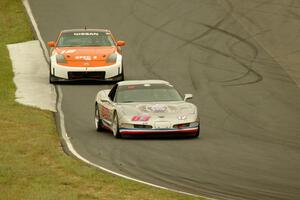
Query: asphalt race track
{"type": "Point", "coordinates": [233, 56]}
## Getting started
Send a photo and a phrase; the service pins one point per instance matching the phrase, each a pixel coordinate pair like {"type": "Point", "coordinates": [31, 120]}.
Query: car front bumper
{"type": "Point", "coordinates": [117, 78]}
{"type": "Point", "coordinates": [135, 131]}
{"type": "Point", "coordinates": [69, 73]}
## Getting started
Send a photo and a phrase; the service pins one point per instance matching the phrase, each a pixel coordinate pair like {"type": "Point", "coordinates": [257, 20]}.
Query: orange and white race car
{"type": "Point", "coordinates": [86, 54]}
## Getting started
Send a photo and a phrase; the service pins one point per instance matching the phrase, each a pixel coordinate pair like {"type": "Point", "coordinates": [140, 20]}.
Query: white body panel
{"type": "Point", "coordinates": [62, 71]}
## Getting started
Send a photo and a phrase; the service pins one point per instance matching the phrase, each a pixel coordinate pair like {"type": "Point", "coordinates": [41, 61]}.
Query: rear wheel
{"type": "Point", "coordinates": [115, 127]}
{"type": "Point", "coordinates": [98, 120]}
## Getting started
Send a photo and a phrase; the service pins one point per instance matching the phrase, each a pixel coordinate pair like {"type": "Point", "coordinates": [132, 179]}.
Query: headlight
{"type": "Point", "coordinates": [112, 58]}
{"type": "Point", "coordinates": [186, 125]}
{"type": "Point", "coordinates": [60, 59]}
{"type": "Point", "coordinates": [194, 124]}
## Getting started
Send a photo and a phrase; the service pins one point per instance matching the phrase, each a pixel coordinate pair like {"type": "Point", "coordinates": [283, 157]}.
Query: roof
{"type": "Point", "coordinates": [84, 30]}
{"type": "Point", "coordinates": [138, 82]}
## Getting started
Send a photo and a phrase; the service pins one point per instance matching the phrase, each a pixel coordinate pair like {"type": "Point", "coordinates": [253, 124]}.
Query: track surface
{"type": "Point", "coordinates": [226, 53]}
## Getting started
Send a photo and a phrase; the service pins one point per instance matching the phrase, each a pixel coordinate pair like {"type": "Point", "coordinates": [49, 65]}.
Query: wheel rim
{"type": "Point", "coordinates": [96, 118]}
{"type": "Point", "coordinates": [115, 126]}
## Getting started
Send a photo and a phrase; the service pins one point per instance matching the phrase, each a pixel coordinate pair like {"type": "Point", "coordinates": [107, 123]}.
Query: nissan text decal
{"type": "Point", "coordinates": [86, 33]}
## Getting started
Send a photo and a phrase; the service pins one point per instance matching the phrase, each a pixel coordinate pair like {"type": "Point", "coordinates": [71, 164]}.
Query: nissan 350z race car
{"type": "Point", "coordinates": [86, 54]}
{"type": "Point", "coordinates": [145, 107]}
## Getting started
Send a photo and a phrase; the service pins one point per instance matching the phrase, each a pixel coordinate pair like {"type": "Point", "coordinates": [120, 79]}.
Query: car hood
{"type": "Point", "coordinates": [85, 53]}
{"type": "Point", "coordinates": [86, 56]}
{"type": "Point", "coordinates": [157, 109]}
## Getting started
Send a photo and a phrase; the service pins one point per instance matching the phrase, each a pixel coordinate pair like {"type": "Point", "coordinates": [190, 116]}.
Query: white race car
{"type": "Point", "coordinates": [145, 107]}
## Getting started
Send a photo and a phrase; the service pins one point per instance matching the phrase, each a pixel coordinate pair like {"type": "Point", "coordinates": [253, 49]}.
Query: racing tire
{"type": "Point", "coordinates": [122, 78]}
{"type": "Point", "coordinates": [122, 75]}
{"type": "Point", "coordinates": [52, 78]}
{"type": "Point", "coordinates": [115, 126]}
{"type": "Point", "coordinates": [98, 120]}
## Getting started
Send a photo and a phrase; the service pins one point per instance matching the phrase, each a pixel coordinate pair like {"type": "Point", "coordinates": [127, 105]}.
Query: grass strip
{"type": "Point", "coordinates": [32, 163]}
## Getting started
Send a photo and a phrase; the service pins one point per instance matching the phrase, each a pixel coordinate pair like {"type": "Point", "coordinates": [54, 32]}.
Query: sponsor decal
{"type": "Point", "coordinates": [157, 108]}
{"type": "Point", "coordinates": [68, 51]}
{"type": "Point", "coordinates": [86, 33]}
{"type": "Point", "coordinates": [182, 117]}
{"type": "Point", "coordinates": [86, 57]}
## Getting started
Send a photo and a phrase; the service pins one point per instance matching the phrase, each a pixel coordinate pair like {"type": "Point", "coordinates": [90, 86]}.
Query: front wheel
{"type": "Point", "coordinates": [122, 76]}
{"type": "Point", "coordinates": [52, 78]}
{"type": "Point", "coordinates": [115, 127]}
{"type": "Point", "coordinates": [98, 120]}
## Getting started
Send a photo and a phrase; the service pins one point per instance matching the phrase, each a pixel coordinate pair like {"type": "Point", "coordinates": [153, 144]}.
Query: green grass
{"type": "Point", "coordinates": [32, 162]}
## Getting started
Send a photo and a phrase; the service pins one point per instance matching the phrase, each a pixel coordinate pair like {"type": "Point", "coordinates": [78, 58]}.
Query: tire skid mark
{"type": "Point", "coordinates": [236, 115]}
{"type": "Point", "coordinates": [244, 15]}
{"type": "Point", "coordinates": [259, 77]}
{"type": "Point", "coordinates": [252, 61]}
{"type": "Point", "coordinates": [290, 11]}
{"type": "Point", "coordinates": [210, 29]}
{"type": "Point", "coordinates": [252, 46]}
{"type": "Point", "coordinates": [190, 63]}
{"type": "Point", "coordinates": [275, 3]}
{"type": "Point", "coordinates": [239, 40]}
{"type": "Point", "coordinates": [276, 14]}
{"type": "Point", "coordinates": [232, 46]}
{"type": "Point", "coordinates": [160, 29]}
{"type": "Point", "coordinates": [155, 29]}
{"type": "Point", "coordinates": [270, 73]}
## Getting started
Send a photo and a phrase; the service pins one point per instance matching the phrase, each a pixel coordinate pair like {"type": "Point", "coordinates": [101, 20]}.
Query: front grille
{"type": "Point", "coordinates": [86, 75]}
{"type": "Point", "coordinates": [142, 126]}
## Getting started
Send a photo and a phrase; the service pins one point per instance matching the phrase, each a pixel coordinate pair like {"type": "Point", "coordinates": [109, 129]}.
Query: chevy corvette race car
{"type": "Point", "coordinates": [145, 107]}
{"type": "Point", "coordinates": [86, 54]}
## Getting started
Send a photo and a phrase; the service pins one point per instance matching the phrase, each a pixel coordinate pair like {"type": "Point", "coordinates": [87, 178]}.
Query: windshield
{"type": "Point", "coordinates": [146, 93]}
{"type": "Point", "coordinates": [70, 39]}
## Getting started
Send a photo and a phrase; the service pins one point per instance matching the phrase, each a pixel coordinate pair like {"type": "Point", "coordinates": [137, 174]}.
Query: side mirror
{"type": "Point", "coordinates": [120, 43]}
{"type": "Point", "coordinates": [103, 96]}
{"type": "Point", "coordinates": [105, 99]}
{"type": "Point", "coordinates": [187, 96]}
{"type": "Point", "coordinates": [51, 44]}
